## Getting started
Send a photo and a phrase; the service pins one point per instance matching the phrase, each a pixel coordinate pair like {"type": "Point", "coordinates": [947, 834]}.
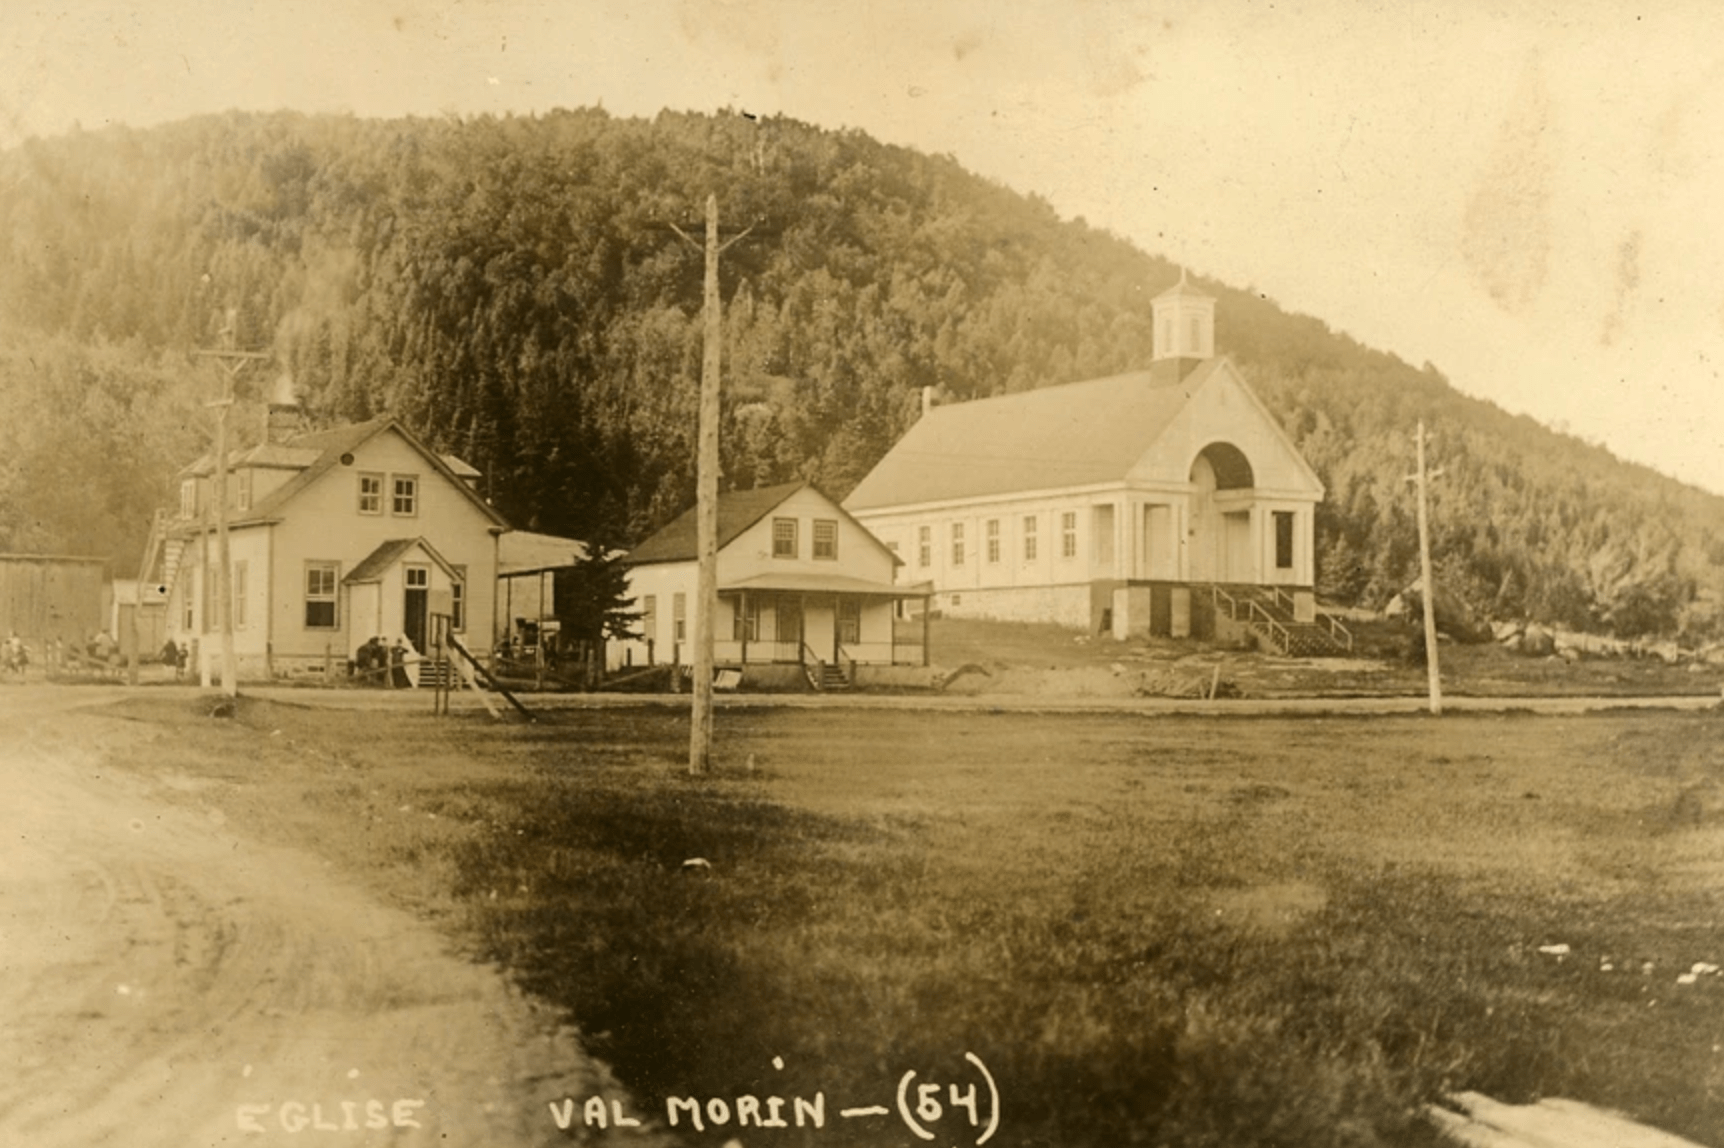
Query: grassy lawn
{"type": "Point", "coordinates": [1152, 931]}
{"type": "Point", "coordinates": [1045, 659]}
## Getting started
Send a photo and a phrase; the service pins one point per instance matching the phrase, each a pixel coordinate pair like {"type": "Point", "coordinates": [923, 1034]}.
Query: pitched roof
{"type": "Point", "coordinates": [737, 511]}
{"type": "Point", "coordinates": [372, 566]}
{"type": "Point", "coordinates": [327, 448]}
{"type": "Point", "coordinates": [524, 552]}
{"type": "Point", "coordinates": [1077, 434]}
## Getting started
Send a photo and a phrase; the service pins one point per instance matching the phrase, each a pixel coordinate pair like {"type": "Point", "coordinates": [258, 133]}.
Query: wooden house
{"type": "Point", "coordinates": [800, 583]}
{"type": "Point", "coordinates": [335, 537]}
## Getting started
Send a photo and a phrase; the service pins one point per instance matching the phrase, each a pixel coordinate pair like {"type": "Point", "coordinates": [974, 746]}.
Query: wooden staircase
{"type": "Point", "coordinates": [1267, 611]}
{"type": "Point", "coordinates": [825, 676]}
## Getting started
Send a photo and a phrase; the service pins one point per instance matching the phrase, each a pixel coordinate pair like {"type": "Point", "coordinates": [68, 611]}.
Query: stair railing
{"type": "Point", "coordinates": [1277, 632]}
{"type": "Point", "coordinates": [1337, 631]}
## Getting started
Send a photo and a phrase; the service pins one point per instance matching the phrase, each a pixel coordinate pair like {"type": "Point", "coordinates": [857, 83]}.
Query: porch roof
{"type": "Point", "coordinates": [373, 566]}
{"type": "Point", "coordinates": [792, 583]}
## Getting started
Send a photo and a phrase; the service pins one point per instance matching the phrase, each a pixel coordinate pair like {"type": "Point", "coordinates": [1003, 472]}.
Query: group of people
{"type": "Point", "coordinates": [385, 661]}
{"type": "Point", "coordinates": [100, 649]}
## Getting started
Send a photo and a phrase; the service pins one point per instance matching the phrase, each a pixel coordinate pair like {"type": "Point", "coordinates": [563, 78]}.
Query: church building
{"type": "Point", "coordinates": [1164, 501]}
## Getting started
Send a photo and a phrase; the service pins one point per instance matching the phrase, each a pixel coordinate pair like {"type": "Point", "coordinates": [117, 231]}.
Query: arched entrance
{"type": "Point", "coordinates": [1221, 482]}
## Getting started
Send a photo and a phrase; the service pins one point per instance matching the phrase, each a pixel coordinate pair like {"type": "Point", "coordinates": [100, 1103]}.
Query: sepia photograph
{"type": "Point", "coordinates": [781, 574]}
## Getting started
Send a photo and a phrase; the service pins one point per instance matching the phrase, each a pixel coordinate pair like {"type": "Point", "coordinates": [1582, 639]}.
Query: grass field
{"type": "Point", "coordinates": [1181, 931]}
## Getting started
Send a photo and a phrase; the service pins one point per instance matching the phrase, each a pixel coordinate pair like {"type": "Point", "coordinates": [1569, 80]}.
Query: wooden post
{"type": "Point", "coordinates": [1430, 588]}
{"type": "Point", "coordinates": [232, 363]}
{"type": "Point", "coordinates": [706, 502]}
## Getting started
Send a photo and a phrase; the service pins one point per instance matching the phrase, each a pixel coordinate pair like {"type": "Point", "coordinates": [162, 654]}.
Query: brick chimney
{"type": "Point", "coordinates": [283, 419]}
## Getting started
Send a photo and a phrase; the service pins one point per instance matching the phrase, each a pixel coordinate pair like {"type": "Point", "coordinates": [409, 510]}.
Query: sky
{"type": "Point", "coordinates": [1529, 196]}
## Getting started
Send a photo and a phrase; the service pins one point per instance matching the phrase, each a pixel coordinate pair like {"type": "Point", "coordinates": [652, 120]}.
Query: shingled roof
{"type": "Point", "coordinates": [1077, 434]}
{"type": "Point", "coordinates": [737, 511]}
{"type": "Point", "coordinates": [318, 452]}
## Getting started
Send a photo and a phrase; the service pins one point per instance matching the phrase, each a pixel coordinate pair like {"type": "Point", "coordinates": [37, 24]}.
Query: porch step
{"type": "Point", "coordinates": [1286, 637]}
{"type": "Point", "coordinates": [825, 676]}
{"type": "Point", "coordinates": [438, 673]}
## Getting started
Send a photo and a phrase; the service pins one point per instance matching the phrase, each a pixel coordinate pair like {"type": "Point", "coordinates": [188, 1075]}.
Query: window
{"type": "Point", "coordinates": [458, 600]}
{"type": "Point", "coordinates": [320, 582]}
{"type": "Point", "coordinates": [1068, 534]}
{"type": "Point", "coordinates": [1030, 538]}
{"type": "Point", "coordinates": [649, 617]}
{"type": "Point", "coordinates": [849, 621]}
{"type": "Point", "coordinates": [418, 577]}
{"type": "Point", "coordinates": [236, 588]}
{"type": "Point", "coordinates": [406, 500]}
{"type": "Point", "coordinates": [745, 621]}
{"type": "Point", "coordinates": [242, 490]}
{"type": "Point", "coordinates": [993, 530]}
{"type": "Point", "coordinates": [371, 494]}
{"type": "Point", "coordinates": [924, 545]}
{"type": "Point", "coordinates": [825, 538]}
{"type": "Point", "coordinates": [188, 498]}
{"type": "Point", "coordinates": [957, 543]}
{"type": "Point", "coordinates": [679, 617]}
{"type": "Point", "coordinates": [784, 537]}
{"type": "Point", "coordinates": [1283, 540]}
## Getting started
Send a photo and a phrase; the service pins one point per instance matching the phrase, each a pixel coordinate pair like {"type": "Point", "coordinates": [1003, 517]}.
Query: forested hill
{"type": "Point", "coordinates": [510, 288]}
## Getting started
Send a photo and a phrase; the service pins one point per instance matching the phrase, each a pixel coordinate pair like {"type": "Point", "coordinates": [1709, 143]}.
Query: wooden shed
{"type": "Point", "coordinates": [48, 596]}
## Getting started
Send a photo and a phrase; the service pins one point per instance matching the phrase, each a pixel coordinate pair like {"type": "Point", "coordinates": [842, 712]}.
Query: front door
{"type": "Point", "coordinates": [415, 619]}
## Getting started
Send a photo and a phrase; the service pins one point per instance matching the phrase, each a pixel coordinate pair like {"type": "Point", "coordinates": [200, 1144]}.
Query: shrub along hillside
{"type": "Point", "coordinates": [508, 286]}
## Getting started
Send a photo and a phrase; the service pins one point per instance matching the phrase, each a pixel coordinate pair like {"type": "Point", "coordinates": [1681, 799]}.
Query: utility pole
{"type": "Point", "coordinates": [706, 493]}
{"type": "Point", "coordinates": [1429, 594]}
{"type": "Point", "coordinates": [232, 363]}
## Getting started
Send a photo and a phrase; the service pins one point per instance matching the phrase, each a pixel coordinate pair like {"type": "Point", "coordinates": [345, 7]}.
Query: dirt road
{"type": "Point", "coordinates": [166, 981]}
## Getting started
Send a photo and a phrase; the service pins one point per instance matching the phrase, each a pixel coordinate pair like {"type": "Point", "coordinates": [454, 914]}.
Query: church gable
{"type": "Point", "coordinates": [1225, 422]}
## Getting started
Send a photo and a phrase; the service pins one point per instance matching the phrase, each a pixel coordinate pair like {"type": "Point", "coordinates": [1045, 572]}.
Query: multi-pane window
{"type": "Point", "coordinates": [1283, 539]}
{"type": "Point", "coordinates": [825, 538]}
{"type": "Point", "coordinates": [418, 577]}
{"type": "Point", "coordinates": [784, 537]}
{"type": "Point", "coordinates": [745, 621]}
{"type": "Point", "coordinates": [679, 617]}
{"type": "Point", "coordinates": [320, 582]}
{"type": "Point", "coordinates": [924, 545]}
{"type": "Point", "coordinates": [371, 494]}
{"type": "Point", "coordinates": [957, 543]}
{"type": "Point", "coordinates": [993, 530]}
{"type": "Point", "coordinates": [1030, 538]}
{"type": "Point", "coordinates": [405, 499]}
{"type": "Point", "coordinates": [458, 600]}
{"type": "Point", "coordinates": [1068, 534]}
{"type": "Point", "coordinates": [849, 621]}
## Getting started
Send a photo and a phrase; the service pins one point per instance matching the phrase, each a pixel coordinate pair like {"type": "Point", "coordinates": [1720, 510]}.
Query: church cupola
{"type": "Point", "coordinates": [1184, 322]}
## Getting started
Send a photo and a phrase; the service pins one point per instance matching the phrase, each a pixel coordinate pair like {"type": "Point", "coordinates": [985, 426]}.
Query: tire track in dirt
{"type": "Point", "coordinates": [158, 972]}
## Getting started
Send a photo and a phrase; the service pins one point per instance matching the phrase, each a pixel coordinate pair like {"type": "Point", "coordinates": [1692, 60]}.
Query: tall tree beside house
{"type": "Point", "coordinates": [506, 287]}
{"type": "Point", "coordinates": [593, 599]}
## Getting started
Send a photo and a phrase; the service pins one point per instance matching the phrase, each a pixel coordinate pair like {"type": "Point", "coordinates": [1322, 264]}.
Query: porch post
{"type": "Point", "coordinates": [927, 604]}
{"type": "Point", "coordinates": [742, 605]}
